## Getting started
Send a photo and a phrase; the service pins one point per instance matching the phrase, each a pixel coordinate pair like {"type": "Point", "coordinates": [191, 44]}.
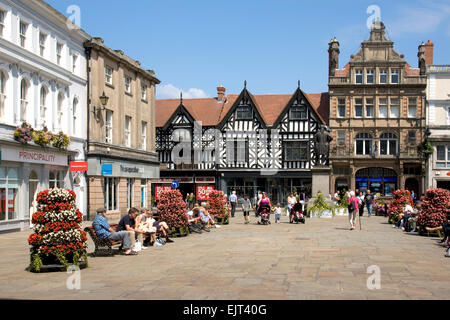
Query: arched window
{"type": "Point", "coordinates": [363, 144]}
{"type": "Point", "coordinates": [2, 93]}
{"type": "Point", "coordinates": [56, 179]}
{"type": "Point", "coordinates": [59, 111]}
{"type": "Point", "coordinates": [74, 116]}
{"type": "Point", "coordinates": [388, 144]}
{"type": "Point", "coordinates": [43, 105]}
{"type": "Point", "coordinates": [23, 99]}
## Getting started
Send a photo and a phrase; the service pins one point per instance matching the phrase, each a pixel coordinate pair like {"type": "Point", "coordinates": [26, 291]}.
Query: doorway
{"type": "Point", "coordinates": [412, 184]}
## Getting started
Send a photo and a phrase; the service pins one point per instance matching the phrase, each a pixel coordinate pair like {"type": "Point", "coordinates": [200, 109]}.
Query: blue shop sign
{"type": "Point", "coordinates": [107, 169]}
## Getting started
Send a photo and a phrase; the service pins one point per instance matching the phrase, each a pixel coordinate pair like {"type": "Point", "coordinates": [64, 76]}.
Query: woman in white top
{"type": "Point", "coordinates": [291, 200]}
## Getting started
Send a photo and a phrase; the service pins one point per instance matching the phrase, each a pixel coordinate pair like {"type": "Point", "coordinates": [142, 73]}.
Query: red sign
{"type": "Point", "coordinates": [203, 192]}
{"type": "Point", "coordinates": [448, 173]}
{"type": "Point", "coordinates": [159, 189]}
{"type": "Point", "coordinates": [79, 166]}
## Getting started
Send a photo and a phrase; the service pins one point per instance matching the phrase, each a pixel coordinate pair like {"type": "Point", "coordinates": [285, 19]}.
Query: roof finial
{"type": "Point", "coordinates": [299, 84]}
{"type": "Point", "coordinates": [245, 84]}
{"type": "Point", "coordinates": [181, 96]}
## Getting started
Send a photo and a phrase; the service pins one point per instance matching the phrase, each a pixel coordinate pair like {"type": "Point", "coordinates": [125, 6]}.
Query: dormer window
{"type": "Point", "coordinates": [298, 112]}
{"type": "Point", "coordinates": [244, 113]}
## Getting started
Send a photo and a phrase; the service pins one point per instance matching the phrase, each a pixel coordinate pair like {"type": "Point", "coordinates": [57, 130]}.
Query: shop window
{"type": "Point", "coordinates": [144, 191]}
{"type": "Point", "coordinates": [296, 151]}
{"type": "Point", "coordinates": [130, 183]}
{"type": "Point", "coordinates": [9, 193]}
{"type": "Point", "coordinates": [56, 179]}
{"type": "Point", "coordinates": [111, 192]}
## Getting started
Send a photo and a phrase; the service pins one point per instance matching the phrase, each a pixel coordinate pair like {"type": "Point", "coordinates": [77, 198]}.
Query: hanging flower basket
{"type": "Point", "coordinates": [42, 137]}
{"type": "Point", "coordinates": [57, 241]}
{"type": "Point", "coordinates": [60, 140]}
{"type": "Point", "coordinates": [23, 133]}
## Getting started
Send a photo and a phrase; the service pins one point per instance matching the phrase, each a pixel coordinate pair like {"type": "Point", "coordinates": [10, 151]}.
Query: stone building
{"type": "Point", "coordinates": [377, 117]}
{"type": "Point", "coordinates": [43, 83]}
{"type": "Point", "coordinates": [121, 133]}
{"type": "Point", "coordinates": [438, 124]}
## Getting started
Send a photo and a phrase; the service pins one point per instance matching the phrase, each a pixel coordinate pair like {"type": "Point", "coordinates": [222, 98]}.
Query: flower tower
{"type": "Point", "coordinates": [57, 238]}
{"type": "Point", "coordinates": [401, 199]}
{"type": "Point", "coordinates": [218, 207]}
{"type": "Point", "coordinates": [172, 210]}
{"type": "Point", "coordinates": [435, 208]}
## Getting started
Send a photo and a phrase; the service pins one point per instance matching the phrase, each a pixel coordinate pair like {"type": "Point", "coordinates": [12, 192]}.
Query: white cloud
{"type": "Point", "coordinates": [169, 91]}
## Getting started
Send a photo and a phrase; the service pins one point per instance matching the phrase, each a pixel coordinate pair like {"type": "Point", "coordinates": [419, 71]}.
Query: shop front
{"type": "Point", "coordinates": [199, 186]}
{"type": "Point", "coordinates": [377, 180]}
{"type": "Point", "coordinates": [24, 172]}
{"type": "Point", "coordinates": [119, 185]}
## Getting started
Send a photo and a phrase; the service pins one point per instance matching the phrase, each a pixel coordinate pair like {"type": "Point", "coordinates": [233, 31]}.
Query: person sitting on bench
{"type": "Point", "coordinates": [128, 223]}
{"type": "Point", "coordinates": [104, 231]}
{"type": "Point", "coordinates": [143, 224]}
{"type": "Point", "coordinates": [161, 226]}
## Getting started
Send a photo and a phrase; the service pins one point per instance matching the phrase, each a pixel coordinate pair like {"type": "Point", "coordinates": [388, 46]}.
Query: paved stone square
{"type": "Point", "coordinates": [322, 259]}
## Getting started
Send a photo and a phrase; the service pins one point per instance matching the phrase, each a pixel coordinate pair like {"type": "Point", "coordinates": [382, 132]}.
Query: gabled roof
{"type": "Point", "coordinates": [212, 112]}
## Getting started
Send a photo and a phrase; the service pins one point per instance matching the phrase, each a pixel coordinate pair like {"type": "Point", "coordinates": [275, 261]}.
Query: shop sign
{"type": "Point", "coordinates": [205, 180]}
{"type": "Point", "coordinates": [107, 169]}
{"type": "Point", "coordinates": [130, 169]}
{"type": "Point", "coordinates": [22, 155]}
{"type": "Point", "coordinates": [180, 180]}
{"type": "Point", "coordinates": [448, 173]}
{"type": "Point", "coordinates": [78, 166]}
{"type": "Point", "coordinates": [203, 192]}
{"type": "Point", "coordinates": [159, 189]}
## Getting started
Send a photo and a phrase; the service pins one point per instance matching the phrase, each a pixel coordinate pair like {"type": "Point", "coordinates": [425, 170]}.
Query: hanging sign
{"type": "Point", "coordinates": [78, 166]}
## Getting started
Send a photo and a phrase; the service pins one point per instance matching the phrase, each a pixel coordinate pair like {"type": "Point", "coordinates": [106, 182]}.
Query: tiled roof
{"type": "Point", "coordinates": [211, 112]}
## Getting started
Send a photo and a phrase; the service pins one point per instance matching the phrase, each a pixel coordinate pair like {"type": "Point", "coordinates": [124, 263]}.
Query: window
{"type": "Point", "coordinates": [130, 183]}
{"type": "Point", "coordinates": [412, 107]}
{"type": "Point", "coordinates": [59, 47]}
{"type": "Point", "coordinates": [244, 113]}
{"type": "Point", "coordinates": [394, 108]}
{"type": "Point", "coordinates": [359, 76]}
{"type": "Point", "coordinates": [127, 84]}
{"type": "Point", "coordinates": [180, 135]}
{"type": "Point", "coordinates": [128, 131]}
{"type": "Point", "coordinates": [412, 137]}
{"type": "Point", "coordinates": [144, 193]}
{"type": "Point", "coordinates": [382, 108]}
{"type": "Point", "coordinates": [74, 116]}
{"type": "Point", "coordinates": [108, 75]}
{"type": "Point", "coordinates": [111, 191]}
{"type": "Point", "coordinates": [363, 144]}
{"type": "Point", "coordinates": [9, 193]}
{"type": "Point", "coordinates": [2, 22]}
{"type": "Point", "coordinates": [443, 156]}
{"type": "Point", "coordinates": [56, 179]}
{"type": "Point", "coordinates": [59, 112]}
{"type": "Point", "coordinates": [369, 108]}
{"type": "Point", "coordinates": [383, 76]}
{"type": "Point", "coordinates": [298, 112]}
{"type": "Point", "coordinates": [370, 76]}
{"type": "Point", "coordinates": [358, 108]}
{"type": "Point", "coordinates": [2, 94]}
{"type": "Point", "coordinates": [341, 108]}
{"type": "Point", "coordinates": [388, 144]}
{"type": "Point", "coordinates": [395, 75]}
{"type": "Point", "coordinates": [23, 99]}
{"type": "Point", "coordinates": [241, 152]}
{"type": "Point", "coordinates": [144, 92]}
{"type": "Point", "coordinates": [23, 33]}
{"type": "Point", "coordinates": [42, 39]}
{"type": "Point", "coordinates": [109, 126]}
{"type": "Point", "coordinates": [144, 135]}
{"type": "Point", "coordinates": [74, 63]}
{"type": "Point", "coordinates": [341, 137]}
{"type": "Point", "coordinates": [296, 151]}
{"type": "Point", "coordinates": [43, 106]}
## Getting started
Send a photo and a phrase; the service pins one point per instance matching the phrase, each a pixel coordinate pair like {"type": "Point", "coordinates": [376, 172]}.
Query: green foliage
{"type": "Point", "coordinates": [319, 203]}
{"type": "Point", "coordinates": [36, 262]}
{"type": "Point", "coordinates": [425, 148]}
{"type": "Point", "coordinates": [63, 260]}
{"type": "Point", "coordinates": [343, 203]}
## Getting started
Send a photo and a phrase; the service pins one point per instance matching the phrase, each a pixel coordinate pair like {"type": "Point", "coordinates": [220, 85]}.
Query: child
{"type": "Point", "coordinates": [246, 205]}
{"type": "Point", "coordinates": [278, 213]}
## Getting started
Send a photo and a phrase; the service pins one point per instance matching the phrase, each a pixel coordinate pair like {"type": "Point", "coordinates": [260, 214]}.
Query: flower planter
{"type": "Point", "coordinates": [314, 214]}
{"type": "Point", "coordinates": [326, 214]}
{"type": "Point", "coordinates": [221, 220]}
{"type": "Point", "coordinates": [341, 212]}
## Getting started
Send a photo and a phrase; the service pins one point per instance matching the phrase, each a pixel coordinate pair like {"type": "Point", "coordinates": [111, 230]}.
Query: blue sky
{"type": "Point", "coordinates": [196, 45]}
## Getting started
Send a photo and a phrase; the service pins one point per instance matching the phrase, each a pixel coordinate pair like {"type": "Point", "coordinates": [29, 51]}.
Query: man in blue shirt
{"type": "Point", "coordinates": [104, 231]}
{"type": "Point", "coordinates": [233, 203]}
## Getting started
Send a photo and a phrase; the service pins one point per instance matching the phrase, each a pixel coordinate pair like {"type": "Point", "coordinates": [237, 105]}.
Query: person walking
{"type": "Point", "coordinates": [246, 205]}
{"type": "Point", "coordinates": [291, 201]}
{"type": "Point", "coordinates": [353, 204]}
{"type": "Point", "coordinates": [278, 213]}
{"type": "Point", "coordinates": [361, 204]}
{"type": "Point", "coordinates": [233, 203]}
{"type": "Point", "coordinates": [368, 200]}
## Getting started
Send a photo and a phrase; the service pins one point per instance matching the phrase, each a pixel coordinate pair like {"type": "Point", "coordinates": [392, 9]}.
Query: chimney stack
{"type": "Point", "coordinates": [220, 93]}
{"type": "Point", "coordinates": [429, 52]}
{"type": "Point", "coordinates": [421, 56]}
{"type": "Point", "coordinates": [333, 57]}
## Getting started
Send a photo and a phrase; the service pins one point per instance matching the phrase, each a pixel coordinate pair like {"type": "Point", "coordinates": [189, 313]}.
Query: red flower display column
{"type": "Point", "coordinates": [57, 238]}
{"type": "Point", "coordinates": [435, 208]}
{"type": "Point", "coordinates": [172, 210]}
{"type": "Point", "coordinates": [218, 207]}
{"type": "Point", "coordinates": [401, 199]}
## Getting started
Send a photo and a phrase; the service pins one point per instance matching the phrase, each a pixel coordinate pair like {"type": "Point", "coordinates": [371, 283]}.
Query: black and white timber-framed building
{"type": "Point", "coordinates": [263, 142]}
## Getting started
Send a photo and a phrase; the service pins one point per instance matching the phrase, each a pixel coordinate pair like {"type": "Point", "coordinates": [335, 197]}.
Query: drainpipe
{"type": "Point", "coordinates": [88, 104]}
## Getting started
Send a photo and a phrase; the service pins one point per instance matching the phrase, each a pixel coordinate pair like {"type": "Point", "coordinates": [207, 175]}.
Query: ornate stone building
{"type": "Point", "coordinates": [377, 117]}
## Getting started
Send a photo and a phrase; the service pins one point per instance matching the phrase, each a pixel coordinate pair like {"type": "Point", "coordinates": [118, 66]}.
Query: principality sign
{"type": "Point", "coordinates": [23, 155]}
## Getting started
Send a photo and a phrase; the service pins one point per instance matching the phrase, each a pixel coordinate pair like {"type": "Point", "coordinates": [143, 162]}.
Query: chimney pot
{"type": "Point", "coordinates": [220, 93]}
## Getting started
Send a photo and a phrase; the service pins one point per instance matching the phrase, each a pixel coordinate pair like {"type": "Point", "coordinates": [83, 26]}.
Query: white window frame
{"type": "Point", "coordinates": [130, 193]}
{"type": "Point", "coordinates": [395, 72]}
{"type": "Point", "coordinates": [370, 73]}
{"type": "Point", "coordinates": [109, 126]}
{"type": "Point", "coordinates": [60, 111]}
{"type": "Point", "coordinates": [3, 14]}
{"type": "Point", "coordinates": [2, 93]}
{"type": "Point", "coordinates": [18, 197]}
{"type": "Point", "coordinates": [144, 135]}
{"type": "Point", "coordinates": [24, 87]}
{"type": "Point", "coordinates": [340, 138]}
{"type": "Point", "coordinates": [42, 41]}
{"type": "Point", "coordinates": [411, 106]}
{"type": "Point", "coordinates": [57, 181]}
{"type": "Point", "coordinates": [390, 137]}
{"type": "Point", "coordinates": [43, 105]}
{"type": "Point", "coordinates": [359, 105]}
{"type": "Point", "coordinates": [74, 115]}
{"type": "Point", "coordinates": [396, 105]}
{"type": "Point", "coordinates": [144, 92]}
{"type": "Point", "coordinates": [108, 75]}
{"type": "Point", "coordinates": [446, 161]}
{"type": "Point", "coordinates": [115, 193]}
{"type": "Point", "coordinates": [144, 193]}
{"type": "Point", "coordinates": [364, 139]}
{"type": "Point", "coordinates": [384, 72]}
{"type": "Point", "coordinates": [383, 105]}
{"type": "Point", "coordinates": [372, 107]}
{"type": "Point", "coordinates": [59, 50]}
{"type": "Point", "coordinates": [23, 33]}
{"type": "Point", "coordinates": [127, 84]}
{"type": "Point", "coordinates": [127, 131]}
{"type": "Point", "coordinates": [340, 105]}
{"type": "Point", "coordinates": [359, 72]}
{"type": "Point", "coordinates": [74, 63]}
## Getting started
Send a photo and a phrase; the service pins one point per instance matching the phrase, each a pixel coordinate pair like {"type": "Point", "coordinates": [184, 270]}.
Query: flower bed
{"type": "Point", "coordinates": [218, 207]}
{"type": "Point", "coordinates": [172, 210]}
{"type": "Point", "coordinates": [435, 210]}
{"type": "Point", "coordinates": [57, 238]}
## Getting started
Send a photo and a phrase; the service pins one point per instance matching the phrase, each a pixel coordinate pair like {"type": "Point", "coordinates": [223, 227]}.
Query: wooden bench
{"type": "Point", "coordinates": [103, 246]}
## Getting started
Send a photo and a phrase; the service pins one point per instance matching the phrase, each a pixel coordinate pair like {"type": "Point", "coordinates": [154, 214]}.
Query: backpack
{"type": "Point", "coordinates": [351, 206]}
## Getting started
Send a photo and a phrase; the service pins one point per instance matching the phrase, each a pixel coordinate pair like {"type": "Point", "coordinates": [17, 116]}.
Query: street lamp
{"type": "Point", "coordinates": [104, 101]}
